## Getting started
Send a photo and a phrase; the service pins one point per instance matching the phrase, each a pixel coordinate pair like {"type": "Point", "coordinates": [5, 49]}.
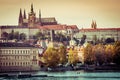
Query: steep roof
{"type": "Point", "coordinates": [49, 19]}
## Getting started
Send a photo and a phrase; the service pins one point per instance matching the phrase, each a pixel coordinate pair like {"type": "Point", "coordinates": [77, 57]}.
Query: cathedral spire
{"type": "Point", "coordinates": [20, 14]}
{"type": "Point", "coordinates": [20, 18]}
{"type": "Point", "coordinates": [24, 16]}
{"type": "Point", "coordinates": [39, 14]}
{"type": "Point", "coordinates": [32, 8]}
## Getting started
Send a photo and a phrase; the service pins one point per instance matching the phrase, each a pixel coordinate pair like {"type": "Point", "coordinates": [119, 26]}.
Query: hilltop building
{"type": "Point", "coordinates": [33, 21]}
{"type": "Point", "coordinates": [31, 25]}
{"type": "Point", "coordinates": [98, 33]}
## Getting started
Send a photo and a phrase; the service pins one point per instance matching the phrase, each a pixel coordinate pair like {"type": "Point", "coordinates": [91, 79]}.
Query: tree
{"type": "Point", "coordinates": [11, 35]}
{"type": "Point", "coordinates": [73, 56]}
{"type": "Point", "coordinates": [51, 57]}
{"type": "Point", "coordinates": [109, 52]}
{"type": "Point", "coordinates": [109, 40]}
{"type": "Point", "coordinates": [39, 35]}
{"type": "Point", "coordinates": [22, 36]}
{"type": "Point", "coordinates": [99, 52]}
{"type": "Point", "coordinates": [5, 34]}
{"type": "Point", "coordinates": [83, 39]}
{"type": "Point", "coordinates": [116, 57]}
{"type": "Point", "coordinates": [89, 57]}
{"type": "Point", "coordinates": [16, 35]}
{"type": "Point", "coordinates": [62, 54]}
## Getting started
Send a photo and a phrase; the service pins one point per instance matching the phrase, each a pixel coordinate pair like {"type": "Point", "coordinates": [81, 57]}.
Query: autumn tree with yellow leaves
{"type": "Point", "coordinates": [89, 57]}
{"type": "Point", "coordinates": [54, 56]}
{"type": "Point", "coordinates": [109, 52]}
{"type": "Point", "coordinates": [73, 56]}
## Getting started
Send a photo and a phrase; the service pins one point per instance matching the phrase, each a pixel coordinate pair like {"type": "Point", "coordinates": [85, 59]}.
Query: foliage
{"type": "Point", "coordinates": [88, 54]}
{"type": "Point", "coordinates": [5, 34]}
{"type": "Point", "coordinates": [116, 57]}
{"type": "Point", "coordinates": [73, 56]}
{"type": "Point", "coordinates": [22, 36]}
{"type": "Point", "coordinates": [52, 56]}
{"type": "Point", "coordinates": [62, 54]}
{"type": "Point", "coordinates": [109, 52]}
{"type": "Point", "coordinates": [99, 52]}
{"type": "Point", "coordinates": [83, 39]}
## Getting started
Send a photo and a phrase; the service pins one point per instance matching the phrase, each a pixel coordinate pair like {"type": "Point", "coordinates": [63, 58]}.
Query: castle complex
{"type": "Point", "coordinates": [31, 25]}
{"type": "Point", "coordinates": [33, 21]}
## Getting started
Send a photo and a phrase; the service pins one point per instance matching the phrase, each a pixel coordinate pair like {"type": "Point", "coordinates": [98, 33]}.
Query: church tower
{"type": "Point", "coordinates": [31, 17]}
{"type": "Point", "coordinates": [93, 25]}
{"type": "Point", "coordinates": [20, 22]}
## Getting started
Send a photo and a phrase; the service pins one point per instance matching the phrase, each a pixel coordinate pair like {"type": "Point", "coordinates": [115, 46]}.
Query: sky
{"type": "Point", "coordinates": [106, 13]}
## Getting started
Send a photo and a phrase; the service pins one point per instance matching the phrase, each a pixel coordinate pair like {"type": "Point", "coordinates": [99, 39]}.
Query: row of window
{"type": "Point", "coordinates": [15, 63]}
{"type": "Point", "coordinates": [14, 57]}
{"type": "Point", "coordinates": [15, 51]}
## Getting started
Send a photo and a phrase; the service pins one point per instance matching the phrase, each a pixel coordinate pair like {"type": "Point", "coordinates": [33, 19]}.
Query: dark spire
{"type": "Point", "coordinates": [32, 8]}
{"type": "Point", "coordinates": [20, 16]}
{"type": "Point", "coordinates": [95, 25]}
{"type": "Point", "coordinates": [92, 25]}
{"type": "Point", "coordinates": [39, 14]}
{"type": "Point", "coordinates": [24, 16]}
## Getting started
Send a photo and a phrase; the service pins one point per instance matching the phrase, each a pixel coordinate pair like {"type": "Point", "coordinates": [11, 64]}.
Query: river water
{"type": "Point", "coordinates": [70, 75]}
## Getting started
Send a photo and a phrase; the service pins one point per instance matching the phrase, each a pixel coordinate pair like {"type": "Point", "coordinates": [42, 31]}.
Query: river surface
{"type": "Point", "coordinates": [69, 75]}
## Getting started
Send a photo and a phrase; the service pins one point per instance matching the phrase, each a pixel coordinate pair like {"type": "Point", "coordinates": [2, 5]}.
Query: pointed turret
{"type": "Point", "coordinates": [40, 17]}
{"type": "Point", "coordinates": [32, 8]}
{"type": "Point", "coordinates": [95, 25]}
{"type": "Point", "coordinates": [92, 25]}
{"type": "Point", "coordinates": [24, 16]}
{"type": "Point", "coordinates": [20, 18]}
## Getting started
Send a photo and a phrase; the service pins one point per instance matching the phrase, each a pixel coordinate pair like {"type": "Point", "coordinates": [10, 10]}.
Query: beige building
{"type": "Point", "coordinates": [18, 57]}
{"type": "Point", "coordinates": [99, 33]}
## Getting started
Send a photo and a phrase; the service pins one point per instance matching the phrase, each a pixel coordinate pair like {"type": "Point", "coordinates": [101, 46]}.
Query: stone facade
{"type": "Point", "coordinates": [18, 57]}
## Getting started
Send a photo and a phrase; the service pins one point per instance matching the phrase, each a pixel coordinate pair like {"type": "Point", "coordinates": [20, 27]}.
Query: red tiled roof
{"type": "Point", "coordinates": [99, 29]}
{"type": "Point", "coordinates": [72, 27]}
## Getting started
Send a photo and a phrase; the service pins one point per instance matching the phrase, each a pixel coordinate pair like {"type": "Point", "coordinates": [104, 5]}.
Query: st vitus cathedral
{"type": "Point", "coordinates": [33, 21]}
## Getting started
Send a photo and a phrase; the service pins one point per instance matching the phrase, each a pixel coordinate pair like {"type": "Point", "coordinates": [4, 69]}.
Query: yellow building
{"type": "Point", "coordinates": [18, 57]}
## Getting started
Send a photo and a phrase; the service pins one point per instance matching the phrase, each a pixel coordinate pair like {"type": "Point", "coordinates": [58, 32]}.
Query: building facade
{"type": "Point", "coordinates": [18, 57]}
{"type": "Point", "coordinates": [99, 33]}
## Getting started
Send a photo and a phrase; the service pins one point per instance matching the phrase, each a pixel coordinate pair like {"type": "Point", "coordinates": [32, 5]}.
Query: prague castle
{"type": "Point", "coordinates": [31, 25]}
{"type": "Point", "coordinates": [33, 21]}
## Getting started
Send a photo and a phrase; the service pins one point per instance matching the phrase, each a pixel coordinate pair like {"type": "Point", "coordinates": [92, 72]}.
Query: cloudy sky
{"type": "Point", "coordinates": [106, 13]}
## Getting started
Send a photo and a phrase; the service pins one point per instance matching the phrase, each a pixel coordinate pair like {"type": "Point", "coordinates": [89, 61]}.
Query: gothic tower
{"type": "Point", "coordinates": [31, 17]}
{"type": "Point", "coordinates": [93, 25]}
{"type": "Point", "coordinates": [20, 22]}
